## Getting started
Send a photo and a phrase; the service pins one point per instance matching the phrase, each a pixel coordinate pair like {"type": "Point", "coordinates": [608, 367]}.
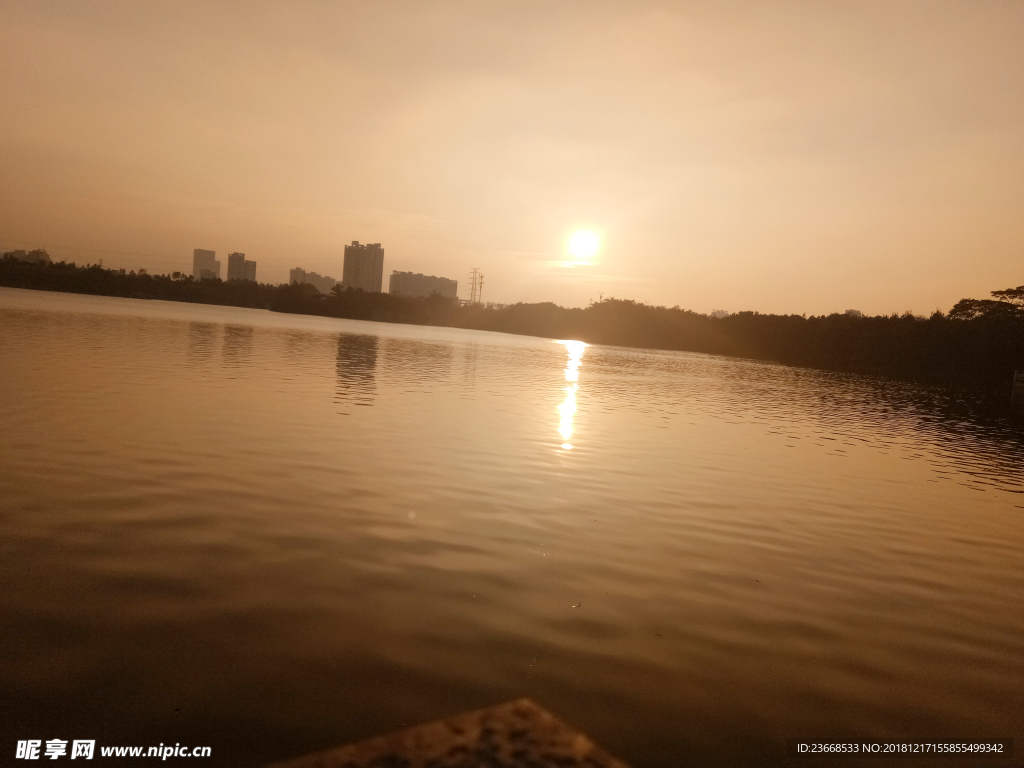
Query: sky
{"type": "Point", "coordinates": [791, 157]}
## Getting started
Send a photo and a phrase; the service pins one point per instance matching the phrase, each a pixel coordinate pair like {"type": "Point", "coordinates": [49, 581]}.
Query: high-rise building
{"type": "Point", "coordinates": [415, 284]}
{"type": "Point", "coordinates": [364, 267]}
{"type": "Point", "coordinates": [322, 283]}
{"type": "Point", "coordinates": [239, 268]}
{"type": "Point", "coordinates": [205, 265]}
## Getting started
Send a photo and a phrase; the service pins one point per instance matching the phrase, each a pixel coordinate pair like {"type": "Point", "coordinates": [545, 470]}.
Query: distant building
{"type": "Point", "coordinates": [364, 267]}
{"type": "Point", "coordinates": [321, 282]}
{"type": "Point", "coordinates": [205, 265]}
{"type": "Point", "coordinates": [240, 269]}
{"type": "Point", "coordinates": [415, 284]}
{"type": "Point", "coordinates": [719, 313]}
{"type": "Point", "coordinates": [854, 313]}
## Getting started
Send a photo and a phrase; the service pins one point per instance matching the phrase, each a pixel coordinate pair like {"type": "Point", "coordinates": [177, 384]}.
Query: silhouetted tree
{"type": "Point", "coordinates": [1012, 295]}
{"type": "Point", "coordinates": [1007, 303]}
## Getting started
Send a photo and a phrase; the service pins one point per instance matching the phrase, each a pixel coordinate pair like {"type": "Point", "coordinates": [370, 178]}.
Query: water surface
{"type": "Point", "coordinates": [273, 534]}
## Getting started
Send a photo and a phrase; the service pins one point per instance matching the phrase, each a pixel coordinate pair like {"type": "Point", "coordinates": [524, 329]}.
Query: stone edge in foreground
{"type": "Point", "coordinates": [517, 734]}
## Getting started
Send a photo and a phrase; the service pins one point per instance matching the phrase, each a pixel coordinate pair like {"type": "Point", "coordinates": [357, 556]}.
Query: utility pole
{"type": "Point", "coordinates": [476, 285]}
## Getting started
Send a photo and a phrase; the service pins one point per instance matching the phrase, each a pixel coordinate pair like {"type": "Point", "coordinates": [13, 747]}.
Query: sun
{"type": "Point", "coordinates": [583, 244]}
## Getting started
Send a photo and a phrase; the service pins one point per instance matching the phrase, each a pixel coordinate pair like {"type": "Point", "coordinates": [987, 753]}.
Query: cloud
{"type": "Point", "coordinates": [524, 255]}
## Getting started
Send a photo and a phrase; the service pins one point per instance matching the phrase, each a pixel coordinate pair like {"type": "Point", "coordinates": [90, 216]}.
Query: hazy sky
{"type": "Point", "coordinates": [779, 156]}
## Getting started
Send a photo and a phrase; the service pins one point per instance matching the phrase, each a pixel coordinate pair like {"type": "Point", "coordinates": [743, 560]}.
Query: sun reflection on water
{"type": "Point", "coordinates": [567, 409]}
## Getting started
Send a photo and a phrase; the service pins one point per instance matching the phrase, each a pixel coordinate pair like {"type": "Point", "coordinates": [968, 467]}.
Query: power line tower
{"type": "Point", "coordinates": [476, 285]}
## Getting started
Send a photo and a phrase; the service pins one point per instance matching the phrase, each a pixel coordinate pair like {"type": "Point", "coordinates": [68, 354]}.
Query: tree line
{"type": "Point", "coordinates": [980, 341]}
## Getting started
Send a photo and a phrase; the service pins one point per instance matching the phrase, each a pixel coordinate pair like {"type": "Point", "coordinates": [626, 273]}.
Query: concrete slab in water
{"type": "Point", "coordinates": [517, 734]}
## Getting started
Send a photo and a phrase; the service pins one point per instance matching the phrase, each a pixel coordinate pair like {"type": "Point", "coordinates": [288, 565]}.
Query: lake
{"type": "Point", "coordinates": [273, 534]}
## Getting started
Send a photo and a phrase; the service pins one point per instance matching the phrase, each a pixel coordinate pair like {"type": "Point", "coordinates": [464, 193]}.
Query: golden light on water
{"type": "Point", "coordinates": [567, 409]}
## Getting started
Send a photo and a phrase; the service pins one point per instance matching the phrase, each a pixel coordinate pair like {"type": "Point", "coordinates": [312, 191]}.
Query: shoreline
{"type": "Point", "coordinates": [980, 354]}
